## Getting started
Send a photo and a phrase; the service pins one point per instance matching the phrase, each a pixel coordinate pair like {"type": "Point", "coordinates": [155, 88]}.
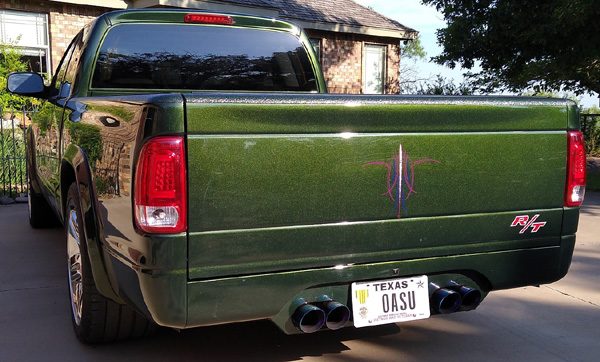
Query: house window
{"type": "Point", "coordinates": [29, 31]}
{"type": "Point", "coordinates": [316, 44]}
{"type": "Point", "coordinates": [375, 64]}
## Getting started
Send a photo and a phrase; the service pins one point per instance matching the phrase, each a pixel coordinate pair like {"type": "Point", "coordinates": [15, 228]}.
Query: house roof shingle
{"type": "Point", "coordinates": [345, 12]}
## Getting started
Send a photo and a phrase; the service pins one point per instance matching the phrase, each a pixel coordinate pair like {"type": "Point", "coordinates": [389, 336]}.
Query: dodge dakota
{"type": "Point", "coordinates": [204, 176]}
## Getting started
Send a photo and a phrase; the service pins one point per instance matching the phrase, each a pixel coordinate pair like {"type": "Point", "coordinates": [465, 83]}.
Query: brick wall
{"type": "Point", "coordinates": [342, 61]}
{"type": "Point", "coordinates": [393, 68]}
{"type": "Point", "coordinates": [64, 21]}
{"type": "Point", "coordinates": [63, 28]}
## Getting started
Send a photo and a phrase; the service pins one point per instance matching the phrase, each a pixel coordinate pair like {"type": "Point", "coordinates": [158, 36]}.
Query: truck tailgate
{"type": "Point", "coordinates": [282, 183]}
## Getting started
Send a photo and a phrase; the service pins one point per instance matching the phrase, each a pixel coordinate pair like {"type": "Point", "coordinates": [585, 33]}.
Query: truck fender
{"type": "Point", "coordinates": [30, 161]}
{"type": "Point", "coordinates": [75, 168]}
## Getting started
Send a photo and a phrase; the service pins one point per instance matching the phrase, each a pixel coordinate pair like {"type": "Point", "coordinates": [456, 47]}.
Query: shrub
{"type": "Point", "coordinates": [590, 126]}
{"type": "Point", "coordinates": [11, 62]}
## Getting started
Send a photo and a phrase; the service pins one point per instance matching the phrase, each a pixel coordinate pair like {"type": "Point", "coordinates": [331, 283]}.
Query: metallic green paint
{"type": "Point", "coordinates": [311, 193]}
{"type": "Point", "coordinates": [241, 252]}
{"type": "Point", "coordinates": [570, 220]}
{"type": "Point", "coordinates": [266, 295]}
{"type": "Point", "coordinates": [242, 182]}
{"type": "Point", "coordinates": [574, 120]}
{"type": "Point", "coordinates": [105, 188]}
{"type": "Point", "coordinates": [252, 113]}
{"type": "Point", "coordinates": [305, 208]}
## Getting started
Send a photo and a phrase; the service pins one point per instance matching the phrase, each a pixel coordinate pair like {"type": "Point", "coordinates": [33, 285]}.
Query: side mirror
{"type": "Point", "coordinates": [26, 84]}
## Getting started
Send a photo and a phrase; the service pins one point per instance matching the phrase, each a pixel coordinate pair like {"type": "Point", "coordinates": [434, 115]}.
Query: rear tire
{"type": "Point", "coordinates": [96, 319]}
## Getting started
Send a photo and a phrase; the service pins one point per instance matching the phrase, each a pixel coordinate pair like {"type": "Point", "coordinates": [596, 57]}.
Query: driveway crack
{"type": "Point", "coordinates": [572, 296]}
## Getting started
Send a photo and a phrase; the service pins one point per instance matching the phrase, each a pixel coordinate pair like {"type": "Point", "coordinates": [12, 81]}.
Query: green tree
{"type": "Point", "coordinates": [590, 127]}
{"type": "Point", "coordinates": [10, 62]}
{"type": "Point", "coordinates": [519, 44]}
{"type": "Point", "coordinates": [413, 49]}
{"type": "Point", "coordinates": [411, 52]}
{"type": "Point", "coordinates": [444, 86]}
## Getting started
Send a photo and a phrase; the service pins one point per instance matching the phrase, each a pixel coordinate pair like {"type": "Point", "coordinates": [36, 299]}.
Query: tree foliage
{"type": "Point", "coordinates": [11, 62]}
{"type": "Point", "coordinates": [519, 44]}
{"type": "Point", "coordinates": [444, 86]}
{"type": "Point", "coordinates": [590, 126]}
{"type": "Point", "coordinates": [413, 49]}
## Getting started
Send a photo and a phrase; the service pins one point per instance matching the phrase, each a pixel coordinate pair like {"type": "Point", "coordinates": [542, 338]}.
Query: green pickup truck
{"type": "Point", "coordinates": [204, 176]}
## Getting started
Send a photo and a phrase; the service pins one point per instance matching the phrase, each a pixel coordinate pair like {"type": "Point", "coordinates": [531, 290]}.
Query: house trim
{"type": "Point", "coordinates": [352, 29]}
{"type": "Point", "coordinates": [115, 4]}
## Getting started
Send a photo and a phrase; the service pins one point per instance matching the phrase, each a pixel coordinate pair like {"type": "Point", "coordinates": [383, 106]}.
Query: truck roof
{"type": "Point", "coordinates": [178, 16]}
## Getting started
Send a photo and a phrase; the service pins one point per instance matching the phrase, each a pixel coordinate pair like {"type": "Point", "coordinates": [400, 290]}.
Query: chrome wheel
{"type": "Point", "coordinates": [74, 261]}
{"type": "Point", "coordinates": [96, 318]}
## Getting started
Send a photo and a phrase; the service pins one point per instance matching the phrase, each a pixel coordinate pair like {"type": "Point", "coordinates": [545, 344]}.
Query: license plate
{"type": "Point", "coordinates": [390, 301]}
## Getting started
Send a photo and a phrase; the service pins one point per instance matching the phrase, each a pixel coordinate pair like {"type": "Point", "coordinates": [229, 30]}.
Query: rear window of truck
{"type": "Point", "coordinates": [157, 56]}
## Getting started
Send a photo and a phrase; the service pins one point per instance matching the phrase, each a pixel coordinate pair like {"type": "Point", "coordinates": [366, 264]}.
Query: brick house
{"type": "Point", "coordinates": [359, 49]}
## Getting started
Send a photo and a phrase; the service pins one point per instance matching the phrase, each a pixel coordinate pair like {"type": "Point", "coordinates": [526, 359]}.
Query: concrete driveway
{"type": "Point", "coordinates": [557, 322]}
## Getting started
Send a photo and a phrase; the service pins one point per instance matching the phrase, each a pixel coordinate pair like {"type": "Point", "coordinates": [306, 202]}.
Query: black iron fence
{"type": "Point", "coordinates": [13, 170]}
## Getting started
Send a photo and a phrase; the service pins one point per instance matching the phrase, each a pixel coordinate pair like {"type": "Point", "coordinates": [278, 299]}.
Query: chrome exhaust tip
{"type": "Point", "coordinates": [308, 318]}
{"type": "Point", "coordinates": [471, 297]}
{"type": "Point", "coordinates": [337, 314]}
{"type": "Point", "coordinates": [443, 300]}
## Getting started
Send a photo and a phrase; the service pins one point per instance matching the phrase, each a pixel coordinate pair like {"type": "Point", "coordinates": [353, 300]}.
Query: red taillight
{"type": "Point", "coordinates": [208, 19]}
{"type": "Point", "coordinates": [576, 169]}
{"type": "Point", "coordinates": [161, 187]}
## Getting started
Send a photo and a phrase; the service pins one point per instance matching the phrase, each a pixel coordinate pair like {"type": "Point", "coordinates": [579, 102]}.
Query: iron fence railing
{"type": "Point", "coordinates": [13, 145]}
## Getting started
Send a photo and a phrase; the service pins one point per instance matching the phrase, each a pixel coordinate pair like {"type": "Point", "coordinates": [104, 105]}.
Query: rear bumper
{"type": "Point", "coordinates": [170, 299]}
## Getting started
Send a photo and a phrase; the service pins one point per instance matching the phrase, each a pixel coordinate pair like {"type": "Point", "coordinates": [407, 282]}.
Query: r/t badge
{"type": "Point", "coordinates": [526, 222]}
